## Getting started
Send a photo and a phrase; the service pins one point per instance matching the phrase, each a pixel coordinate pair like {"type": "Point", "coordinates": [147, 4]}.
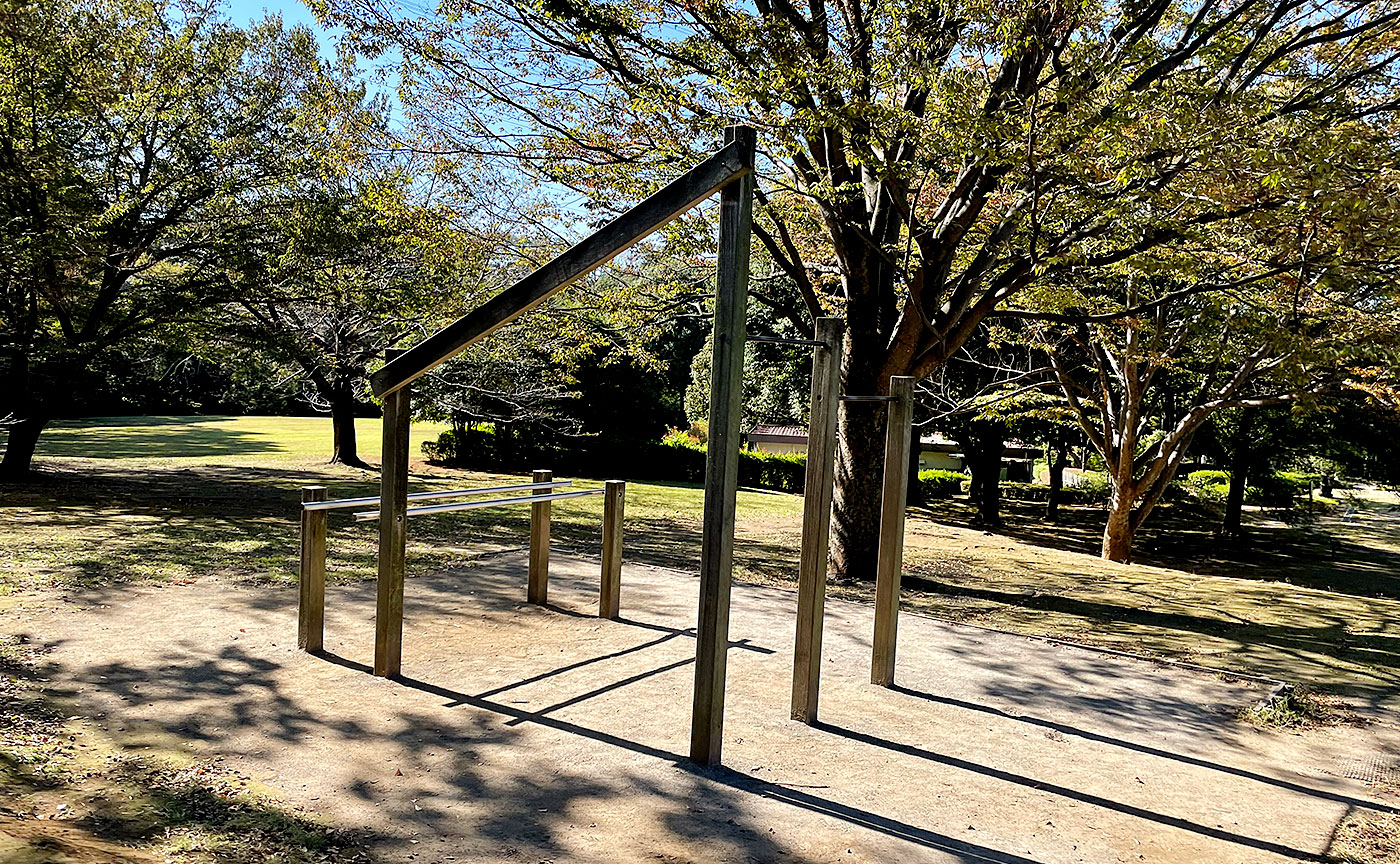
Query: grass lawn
{"type": "Point", "coordinates": [253, 441]}
{"type": "Point", "coordinates": [171, 498]}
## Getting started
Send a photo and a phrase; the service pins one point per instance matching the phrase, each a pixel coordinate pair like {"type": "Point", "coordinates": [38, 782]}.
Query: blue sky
{"type": "Point", "coordinates": [244, 11]}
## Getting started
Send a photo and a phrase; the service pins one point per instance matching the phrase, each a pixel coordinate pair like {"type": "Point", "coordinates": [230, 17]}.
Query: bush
{"type": "Point", "coordinates": [1094, 487]}
{"type": "Point", "coordinates": [1015, 491]}
{"type": "Point", "coordinates": [1201, 479]}
{"type": "Point", "coordinates": [676, 457]}
{"type": "Point", "coordinates": [941, 484]}
{"type": "Point", "coordinates": [1279, 489]}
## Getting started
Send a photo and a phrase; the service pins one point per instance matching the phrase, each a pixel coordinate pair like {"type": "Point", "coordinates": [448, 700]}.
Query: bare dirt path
{"type": "Point", "coordinates": [544, 734]}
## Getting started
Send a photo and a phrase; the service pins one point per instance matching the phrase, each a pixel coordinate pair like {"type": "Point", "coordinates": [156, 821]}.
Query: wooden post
{"type": "Point", "coordinates": [816, 519]}
{"type": "Point", "coordinates": [610, 586]}
{"type": "Point", "coordinates": [311, 609]}
{"type": "Point", "coordinates": [898, 430]}
{"type": "Point", "coordinates": [722, 458]}
{"type": "Point", "coordinates": [537, 591]}
{"type": "Point", "coordinates": [393, 532]}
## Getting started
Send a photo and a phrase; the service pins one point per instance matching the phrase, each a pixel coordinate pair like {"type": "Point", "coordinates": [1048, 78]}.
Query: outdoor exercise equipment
{"type": "Point", "coordinates": [816, 520]}
{"type": "Point", "coordinates": [311, 612]}
{"type": "Point", "coordinates": [729, 172]}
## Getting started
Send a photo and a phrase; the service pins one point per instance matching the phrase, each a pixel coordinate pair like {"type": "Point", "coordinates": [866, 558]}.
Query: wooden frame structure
{"type": "Point", "coordinates": [729, 171]}
{"type": "Point", "coordinates": [311, 606]}
{"type": "Point", "coordinates": [818, 489]}
{"type": "Point", "coordinates": [816, 521]}
{"type": "Point", "coordinates": [899, 426]}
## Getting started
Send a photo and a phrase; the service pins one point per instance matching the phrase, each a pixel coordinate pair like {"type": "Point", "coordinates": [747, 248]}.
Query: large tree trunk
{"type": "Point", "coordinates": [1118, 533]}
{"type": "Point", "coordinates": [1056, 457]}
{"type": "Point", "coordinates": [27, 423]}
{"type": "Point", "coordinates": [1234, 501]}
{"type": "Point", "coordinates": [19, 448]}
{"type": "Point", "coordinates": [1240, 458]}
{"type": "Point", "coordinates": [860, 457]}
{"type": "Point", "coordinates": [988, 443]}
{"type": "Point", "coordinates": [346, 446]}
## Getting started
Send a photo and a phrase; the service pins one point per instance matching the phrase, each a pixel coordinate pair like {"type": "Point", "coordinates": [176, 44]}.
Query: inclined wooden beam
{"type": "Point", "coordinates": [722, 457]}
{"type": "Point", "coordinates": [816, 519]}
{"type": "Point", "coordinates": [899, 426]}
{"type": "Point", "coordinates": [393, 534]}
{"type": "Point", "coordinates": [735, 160]}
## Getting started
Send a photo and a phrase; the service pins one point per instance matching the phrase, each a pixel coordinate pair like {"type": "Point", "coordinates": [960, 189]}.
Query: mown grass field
{"type": "Point", "coordinates": [171, 499]}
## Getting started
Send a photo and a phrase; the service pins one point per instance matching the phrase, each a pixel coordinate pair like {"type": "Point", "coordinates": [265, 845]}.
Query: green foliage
{"type": "Point", "coordinates": [1082, 495]}
{"type": "Point", "coordinates": [676, 457]}
{"type": "Point", "coordinates": [1096, 485]}
{"type": "Point", "coordinates": [139, 137]}
{"type": "Point", "coordinates": [942, 484]}
{"type": "Point", "coordinates": [1207, 477]}
{"type": "Point", "coordinates": [1278, 489]}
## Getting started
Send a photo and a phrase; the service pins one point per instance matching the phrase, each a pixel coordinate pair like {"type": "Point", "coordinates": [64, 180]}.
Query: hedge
{"type": "Point", "coordinates": [677, 457]}
{"type": "Point", "coordinates": [942, 484]}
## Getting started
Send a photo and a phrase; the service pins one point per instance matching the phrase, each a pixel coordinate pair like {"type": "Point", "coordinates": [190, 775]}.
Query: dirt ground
{"type": "Point", "coordinates": [522, 733]}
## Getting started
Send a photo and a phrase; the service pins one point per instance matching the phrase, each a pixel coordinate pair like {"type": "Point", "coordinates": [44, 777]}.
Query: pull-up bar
{"type": "Point", "coordinates": [346, 503]}
{"type": "Point", "coordinates": [783, 340]}
{"type": "Point", "coordinates": [495, 502]}
{"type": "Point", "coordinates": [730, 172]}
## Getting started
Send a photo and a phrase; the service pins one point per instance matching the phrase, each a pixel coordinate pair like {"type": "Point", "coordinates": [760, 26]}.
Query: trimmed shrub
{"type": "Point", "coordinates": [942, 484]}
{"type": "Point", "coordinates": [1014, 491]}
{"type": "Point", "coordinates": [1094, 487]}
{"type": "Point", "coordinates": [1200, 479]}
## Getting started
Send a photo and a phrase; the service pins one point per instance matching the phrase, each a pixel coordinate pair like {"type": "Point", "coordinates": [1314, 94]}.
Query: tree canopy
{"type": "Point", "coordinates": [922, 164]}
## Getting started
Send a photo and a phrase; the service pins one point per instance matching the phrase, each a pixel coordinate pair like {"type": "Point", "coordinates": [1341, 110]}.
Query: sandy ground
{"type": "Point", "coordinates": [522, 733]}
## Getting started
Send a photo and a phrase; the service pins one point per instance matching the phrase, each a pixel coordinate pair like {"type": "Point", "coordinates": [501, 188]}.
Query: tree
{"type": "Point", "coordinates": [134, 134]}
{"type": "Point", "coordinates": [1141, 385]}
{"type": "Point", "coordinates": [332, 275]}
{"type": "Point", "coordinates": [922, 164]}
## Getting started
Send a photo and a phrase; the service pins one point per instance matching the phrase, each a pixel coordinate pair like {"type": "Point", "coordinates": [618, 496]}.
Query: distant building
{"type": "Point", "coordinates": [936, 452]}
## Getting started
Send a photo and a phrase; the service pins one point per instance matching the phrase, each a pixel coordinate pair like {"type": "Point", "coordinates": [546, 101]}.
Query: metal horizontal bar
{"type": "Point", "coordinates": [869, 398]}
{"type": "Point", "coordinates": [344, 503]}
{"type": "Point", "coordinates": [472, 505]}
{"type": "Point", "coordinates": [779, 340]}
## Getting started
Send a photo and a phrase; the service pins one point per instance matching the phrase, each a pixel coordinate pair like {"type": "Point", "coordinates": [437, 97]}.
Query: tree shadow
{"type": "Point", "coordinates": [1067, 729]}
{"type": "Point", "coordinates": [1214, 833]}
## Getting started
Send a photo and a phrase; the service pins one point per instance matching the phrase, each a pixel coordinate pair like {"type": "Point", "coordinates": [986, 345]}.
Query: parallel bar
{"type": "Point", "coordinates": [370, 515]}
{"type": "Point", "coordinates": [311, 606]}
{"type": "Point", "coordinates": [346, 503]}
{"type": "Point", "coordinates": [610, 585]}
{"type": "Point", "coordinates": [779, 340]}
{"type": "Point", "coordinates": [393, 533]}
{"type": "Point", "coordinates": [722, 458]}
{"type": "Point", "coordinates": [537, 589]}
{"type": "Point", "coordinates": [816, 519]}
{"type": "Point", "coordinates": [868, 399]}
{"type": "Point", "coordinates": [733, 161]}
{"type": "Point", "coordinates": [898, 431]}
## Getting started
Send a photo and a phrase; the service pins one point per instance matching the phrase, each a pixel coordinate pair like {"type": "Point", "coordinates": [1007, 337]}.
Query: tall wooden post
{"type": "Point", "coordinates": [393, 531]}
{"type": "Point", "coordinates": [898, 430]}
{"type": "Point", "coordinates": [537, 591]}
{"type": "Point", "coordinates": [816, 519]}
{"type": "Point", "coordinates": [311, 608]}
{"type": "Point", "coordinates": [722, 458]}
{"type": "Point", "coordinates": [610, 585]}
